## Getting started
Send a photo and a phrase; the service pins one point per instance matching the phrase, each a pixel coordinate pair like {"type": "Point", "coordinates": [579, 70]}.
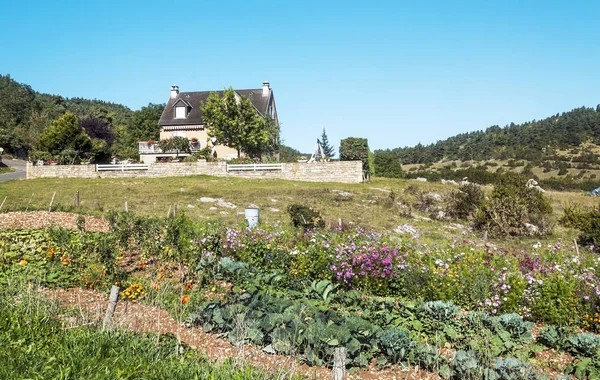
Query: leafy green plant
{"type": "Point", "coordinates": [396, 343]}
{"type": "Point", "coordinates": [553, 336]}
{"type": "Point", "coordinates": [440, 310]}
{"type": "Point", "coordinates": [584, 344]}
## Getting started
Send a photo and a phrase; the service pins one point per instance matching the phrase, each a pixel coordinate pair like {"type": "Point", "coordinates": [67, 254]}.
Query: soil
{"type": "Point", "coordinates": [45, 219]}
{"type": "Point", "coordinates": [144, 318]}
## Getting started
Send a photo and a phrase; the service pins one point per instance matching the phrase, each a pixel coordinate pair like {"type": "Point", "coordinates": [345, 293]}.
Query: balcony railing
{"type": "Point", "coordinates": [145, 148]}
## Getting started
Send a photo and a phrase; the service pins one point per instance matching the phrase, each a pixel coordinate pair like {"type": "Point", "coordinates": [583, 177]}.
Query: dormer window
{"type": "Point", "coordinates": [180, 112]}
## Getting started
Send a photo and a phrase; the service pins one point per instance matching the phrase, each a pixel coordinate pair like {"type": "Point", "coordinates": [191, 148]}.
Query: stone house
{"type": "Point", "coordinates": [182, 116]}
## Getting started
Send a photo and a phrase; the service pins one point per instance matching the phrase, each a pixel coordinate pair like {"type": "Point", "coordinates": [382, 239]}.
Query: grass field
{"type": "Point", "coordinates": [367, 205]}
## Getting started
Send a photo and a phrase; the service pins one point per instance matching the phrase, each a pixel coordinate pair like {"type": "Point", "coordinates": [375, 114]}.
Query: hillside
{"type": "Point", "coordinates": [571, 136]}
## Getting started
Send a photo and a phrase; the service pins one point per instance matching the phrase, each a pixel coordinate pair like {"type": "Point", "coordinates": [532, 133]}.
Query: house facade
{"type": "Point", "coordinates": [182, 116]}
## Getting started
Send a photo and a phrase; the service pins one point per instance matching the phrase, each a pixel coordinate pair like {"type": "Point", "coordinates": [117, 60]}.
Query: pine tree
{"type": "Point", "coordinates": [327, 149]}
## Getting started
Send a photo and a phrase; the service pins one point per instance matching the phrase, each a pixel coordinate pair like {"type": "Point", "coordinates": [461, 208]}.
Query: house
{"type": "Point", "coordinates": [182, 116]}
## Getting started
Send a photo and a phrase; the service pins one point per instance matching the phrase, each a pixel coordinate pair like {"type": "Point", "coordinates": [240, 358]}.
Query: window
{"type": "Point", "coordinates": [179, 112]}
{"type": "Point", "coordinates": [179, 133]}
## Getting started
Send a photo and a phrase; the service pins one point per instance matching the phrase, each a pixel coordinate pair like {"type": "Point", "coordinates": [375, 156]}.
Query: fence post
{"type": "Point", "coordinates": [576, 246]}
{"type": "Point", "coordinates": [112, 305]}
{"type": "Point", "coordinates": [484, 238]}
{"type": "Point", "coordinates": [3, 202]}
{"type": "Point", "coordinates": [339, 363]}
{"type": "Point", "coordinates": [51, 202]}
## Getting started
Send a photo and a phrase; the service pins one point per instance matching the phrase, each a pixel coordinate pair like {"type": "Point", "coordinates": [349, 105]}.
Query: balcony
{"type": "Point", "coordinates": [145, 148]}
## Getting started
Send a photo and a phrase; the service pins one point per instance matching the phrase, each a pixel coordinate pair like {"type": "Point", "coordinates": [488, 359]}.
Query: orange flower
{"type": "Point", "coordinates": [155, 285]}
{"type": "Point", "coordinates": [185, 299]}
{"type": "Point", "coordinates": [189, 286]}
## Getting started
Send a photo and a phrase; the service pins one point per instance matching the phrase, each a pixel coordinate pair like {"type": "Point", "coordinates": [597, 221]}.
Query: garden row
{"type": "Point", "coordinates": [307, 292]}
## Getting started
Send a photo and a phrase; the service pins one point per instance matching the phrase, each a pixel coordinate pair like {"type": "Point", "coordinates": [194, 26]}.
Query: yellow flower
{"type": "Point", "coordinates": [22, 263]}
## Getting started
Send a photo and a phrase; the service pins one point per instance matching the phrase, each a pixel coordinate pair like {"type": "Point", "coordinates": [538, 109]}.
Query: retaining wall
{"type": "Point", "coordinates": [336, 171]}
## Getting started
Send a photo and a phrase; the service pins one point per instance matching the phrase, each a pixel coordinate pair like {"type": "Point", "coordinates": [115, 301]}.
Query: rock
{"type": "Point", "coordinates": [223, 213]}
{"type": "Point", "coordinates": [274, 209]}
{"type": "Point", "coordinates": [439, 215]}
{"type": "Point", "coordinates": [434, 196]}
{"type": "Point", "coordinates": [223, 203]}
{"type": "Point", "coordinates": [456, 226]}
{"type": "Point", "coordinates": [406, 229]}
{"type": "Point", "coordinates": [213, 208]}
{"type": "Point", "coordinates": [252, 205]}
{"type": "Point", "coordinates": [342, 193]}
{"type": "Point", "coordinates": [190, 206]}
{"type": "Point", "coordinates": [421, 179]}
{"type": "Point", "coordinates": [532, 229]}
{"type": "Point", "coordinates": [379, 189]}
{"type": "Point", "coordinates": [181, 189]}
{"type": "Point", "coordinates": [274, 200]}
{"type": "Point", "coordinates": [207, 200]}
{"type": "Point", "coordinates": [449, 182]}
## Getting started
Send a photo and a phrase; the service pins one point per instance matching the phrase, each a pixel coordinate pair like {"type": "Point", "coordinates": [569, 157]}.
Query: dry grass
{"type": "Point", "coordinates": [366, 205]}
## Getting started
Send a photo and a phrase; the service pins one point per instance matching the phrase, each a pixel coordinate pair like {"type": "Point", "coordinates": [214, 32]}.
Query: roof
{"type": "Point", "coordinates": [195, 113]}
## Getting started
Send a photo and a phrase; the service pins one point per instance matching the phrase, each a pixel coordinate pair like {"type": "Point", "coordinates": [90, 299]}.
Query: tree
{"type": "Point", "coordinates": [98, 128]}
{"type": "Point", "coordinates": [234, 122]}
{"type": "Point", "coordinates": [355, 149]}
{"type": "Point", "coordinates": [177, 144]}
{"type": "Point", "coordinates": [143, 124]}
{"type": "Point", "coordinates": [65, 133]}
{"type": "Point", "coordinates": [327, 148]}
{"type": "Point", "coordinates": [387, 165]}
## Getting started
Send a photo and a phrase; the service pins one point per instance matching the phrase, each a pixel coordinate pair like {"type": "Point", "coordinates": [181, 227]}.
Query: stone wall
{"type": "Point", "coordinates": [336, 171]}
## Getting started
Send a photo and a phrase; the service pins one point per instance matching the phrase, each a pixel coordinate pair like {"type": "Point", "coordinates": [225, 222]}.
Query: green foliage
{"type": "Point", "coordinates": [327, 148]}
{"type": "Point", "coordinates": [587, 221]}
{"type": "Point", "coordinates": [529, 141]}
{"type": "Point", "coordinates": [554, 336]}
{"type": "Point", "coordinates": [288, 154]}
{"type": "Point", "coordinates": [440, 310]}
{"type": "Point", "coordinates": [465, 365]}
{"type": "Point", "coordinates": [34, 341]}
{"type": "Point", "coordinates": [387, 165]}
{"type": "Point", "coordinates": [176, 144]}
{"type": "Point", "coordinates": [584, 344]}
{"type": "Point", "coordinates": [395, 343]}
{"type": "Point", "coordinates": [305, 217]}
{"type": "Point", "coordinates": [516, 327]}
{"type": "Point", "coordinates": [512, 206]}
{"type": "Point", "coordinates": [237, 125]}
{"type": "Point", "coordinates": [65, 133]}
{"type": "Point", "coordinates": [464, 202]}
{"type": "Point", "coordinates": [356, 149]}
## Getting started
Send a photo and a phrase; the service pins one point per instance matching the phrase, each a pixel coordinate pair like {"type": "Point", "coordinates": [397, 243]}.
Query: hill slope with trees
{"type": "Point", "coordinates": [534, 141]}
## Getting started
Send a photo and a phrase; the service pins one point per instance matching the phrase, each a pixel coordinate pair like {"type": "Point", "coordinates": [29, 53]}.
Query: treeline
{"type": "Point", "coordinates": [534, 140]}
{"type": "Point", "coordinates": [26, 118]}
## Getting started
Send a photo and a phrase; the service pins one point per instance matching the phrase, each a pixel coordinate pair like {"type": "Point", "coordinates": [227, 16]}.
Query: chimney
{"type": "Point", "coordinates": [174, 91]}
{"type": "Point", "coordinates": [266, 88]}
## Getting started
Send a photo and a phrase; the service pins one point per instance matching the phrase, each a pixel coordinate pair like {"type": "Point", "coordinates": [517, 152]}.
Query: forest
{"type": "Point", "coordinates": [534, 141]}
{"type": "Point", "coordinates": [26, 117]}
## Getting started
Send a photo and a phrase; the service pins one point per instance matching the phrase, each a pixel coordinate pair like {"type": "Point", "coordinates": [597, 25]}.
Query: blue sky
{"type": "Point", "coordinates": [397, 73]}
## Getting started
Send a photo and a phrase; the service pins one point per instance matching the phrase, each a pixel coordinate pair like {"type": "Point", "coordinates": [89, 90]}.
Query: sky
{"type": "Point", "coordinates": [396, 72]}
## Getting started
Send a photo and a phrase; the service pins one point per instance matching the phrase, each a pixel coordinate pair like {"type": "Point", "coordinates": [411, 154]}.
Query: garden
{"type": "Point", "coordinates": [461, 309]}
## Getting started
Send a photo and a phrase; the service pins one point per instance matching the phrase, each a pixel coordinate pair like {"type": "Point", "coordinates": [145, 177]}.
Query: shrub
{"type": "Point", "coordinates": [387, 165]}
{"type": "Point", "coordinates": [514, 209]}
{"type": "Point", "coordinates": [587, 221]}
{"type": "Point", "coordinates": [465, 365]}
{"type": "Point", "coordinates": [305, 217]}
{"type": "Point", "coordinates": [464, 202]}
{"type": "Point", "coordinates": [356, 149]}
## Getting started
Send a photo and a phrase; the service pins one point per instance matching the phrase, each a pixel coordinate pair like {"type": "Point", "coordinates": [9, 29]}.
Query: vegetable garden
{"type": "Point", "coordinates": [463, 310]}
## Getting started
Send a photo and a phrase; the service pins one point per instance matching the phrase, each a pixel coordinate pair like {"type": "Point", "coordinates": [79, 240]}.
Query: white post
{"type": "Point", "coordinates": [339, 363]}
{"type": "Point", "coordinates": [112, 305]}
{"type": "Point", "coordinates": [52, 201]}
